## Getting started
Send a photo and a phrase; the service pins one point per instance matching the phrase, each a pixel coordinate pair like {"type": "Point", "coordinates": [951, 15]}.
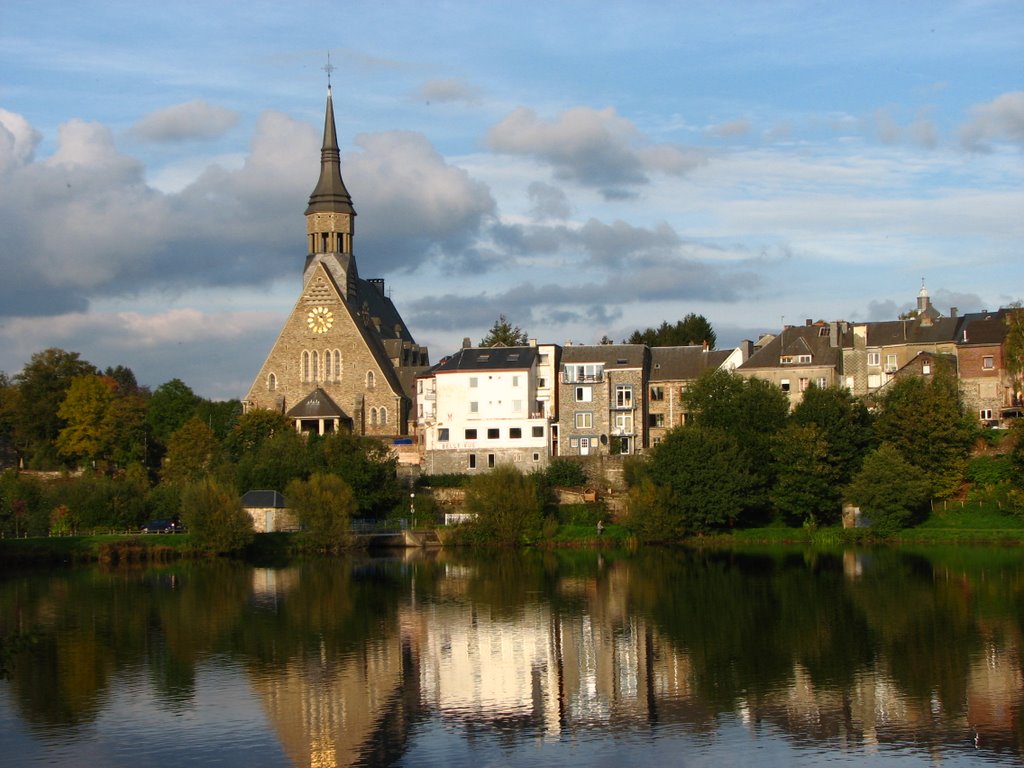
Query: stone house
{"type": "Point", "coordinates": [602, 399]}
{"type": "Point", "coordinates": [985, 384]}
{"type": "Point", "coordinates": [798, 357]}
{"type": "Point", "coordinates": [269, 512]}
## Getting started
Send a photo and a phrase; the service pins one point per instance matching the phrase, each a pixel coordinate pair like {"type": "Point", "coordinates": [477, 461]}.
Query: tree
{"type": "Point", "coordinates": [504, 334]}
{"type": "Point", "coordinates": [925, 422]}
{"type": "Point", "coordinates": [889, 490]}
{"type": "Point", "coordinates": [701, 478]}
{"type": "Point", "coordinates": [324, 505]}
{"type": "Point", "coordinates": [170, 406]}
{"type": "Point", "coordinates": [692, 329]}
{"type": "Point", "coordinates": [805, 488]}
{"type": "Point", "coordinates": [367, 466]}
{"type": "Point", "coordinates": [275, 462]}
{"type": "Point", "coordinates": [1014, 346]}
{"type": "Point", "coordinates": [41, 387]}
{"type": "Point", "coordinates": [192, 453]}
{"type": "Point", "coordinates": [213, 515]}
{"type": "Point", "coordinates": [254, 428]}
{"type": "Point", "coordinates": [508, 505]}
{"type": "Point", "coordinates": [86, 412]}
{"type": "Point", "coordinates": [845, 425]}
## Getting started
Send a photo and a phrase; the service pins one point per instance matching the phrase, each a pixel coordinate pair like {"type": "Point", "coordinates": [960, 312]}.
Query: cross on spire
{"type": "Point", "coordinates": [328, 68]}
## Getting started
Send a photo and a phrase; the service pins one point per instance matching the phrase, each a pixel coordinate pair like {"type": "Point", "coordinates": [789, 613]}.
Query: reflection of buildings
{"type": "Point", "coordinates": [544, 669]}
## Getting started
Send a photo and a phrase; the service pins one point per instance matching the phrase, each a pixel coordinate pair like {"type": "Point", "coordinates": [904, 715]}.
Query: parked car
{"type": "Point", "coordinates": [161, 526]}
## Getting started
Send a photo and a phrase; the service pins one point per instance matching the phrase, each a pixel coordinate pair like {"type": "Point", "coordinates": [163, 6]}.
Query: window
{"type": "Point", "coordinates": [988, 362]}
{"type": "Point", "coordinates": [383, 415]}
{"type": "Point", "coordinates": [785, 385]}
{"type": "Point", "coordinates": [474, 407]}
{"type": "Point", "coordinates": [305, 365]}
{"type": "Point", "coordinates": [373, 417]}
{"type": "Point", "coordinates": [803, 384]}
{"type": "Point", "coordinates": [623, 396]}
{"type": "Point", "coordinates": [370, 380]}
{"type": "Point", "coordinates": [986, 413]}
{"type": "Point", "coordinates": [657, 393]}
{"type": "Point", "coordinates": [874, 358]}
{"type": "Point", "coordinates": [337, 365]}
{"type": "Point", "coordinates": [272, 382]}
{"type": "Point", "coordinates": [536, 456]}
{"type": "Point", "coordinates": [575, 372]}
{"type": "Point", "coordinates": [472, 461]}
{"type": "Point", "coordinates": [316, 365]}
{"type": "Point", "coordinates": [890, 363]}
{"type": "Point", "coordinates": [493, 433]}
{"type": "Point", "coordinates": [515, 381]}
{"type": "Point", "coordinates": [517, 406]}
{"type": "Point", "coordinates": [926, 368]}
{"type": "Point", "coordinates": [542, 383]}
{"type": "Point", "coordinates": [515, 433]}
{"type": "Point", "coordinates": [473, 382]}
{"type": "Point", "coordinates": [538, 431]}
{"type": "Point", "coordinates": [584, 394]}
{"type": "Point", "coordinates": [471, 434]}
{"type": "Point", "coordinates": [820, 382]}
{"type": "Point", "coordinates": [490, 460]}
{"type": "Point", "coordinates": [328, 371]}
{"type": "Point", "coordinates": [442, 435]}
{"type": "Point", "coordinates": [803, 358]}
{"type": "Point", "coordinates": [874, 381]}
{"type": "Point", "coordinates": [624, 423]}
{"type": "Point", "coordinates": [574, 442]}
{"type": "Point", "coordinates": [584, 420]}
{"type": "Point", "coordinates": [656, 420]}
{"type": "Point", "coordinates": [544, 359]}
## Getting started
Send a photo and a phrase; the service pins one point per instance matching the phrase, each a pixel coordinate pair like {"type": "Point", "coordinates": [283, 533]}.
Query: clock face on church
{"type": "Point", "coordinates": [320, 319]}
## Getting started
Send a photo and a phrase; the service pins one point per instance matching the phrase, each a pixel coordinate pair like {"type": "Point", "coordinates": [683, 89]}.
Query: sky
{"type": "Point", "coordinates": [585, 168]}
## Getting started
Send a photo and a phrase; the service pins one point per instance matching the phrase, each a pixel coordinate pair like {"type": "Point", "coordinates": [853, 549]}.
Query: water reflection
{"type": "Point", "coordinates": [524, 658]}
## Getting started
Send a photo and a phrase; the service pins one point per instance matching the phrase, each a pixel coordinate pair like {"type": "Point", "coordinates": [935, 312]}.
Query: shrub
{"type": "Point", "coordinates": [891, 491]}
{"type": "Point", "coordinates": [565, 472]}
{"type": "Point", "coordinates": [324, 505]}
{"type": "Point", "coordinates": [214, 517]}
{"type": "Point", "coordinates": [509, 507]}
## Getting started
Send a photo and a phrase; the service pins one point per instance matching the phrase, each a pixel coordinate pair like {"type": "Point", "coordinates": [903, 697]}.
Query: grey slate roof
{"type": "Point", "coordinates": [263, 500]}
{"type": "Point", "coordinates": [796, 340]}
{"type": "Point", "coordinates": [488, 359]}
{"type": "Point", "coordinates": [316, 405]}
{"type": "Point", "coordinates": [894, 332]}
{"type": "Point", "coordinates": [330, 193]}
{"type": "Point", "coordinates": [684, 363]}
{"type": "Point", "coordinates": [983, 328]}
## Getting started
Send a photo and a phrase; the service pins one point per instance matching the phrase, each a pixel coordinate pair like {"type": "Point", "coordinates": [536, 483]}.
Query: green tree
{"type": "Point", "coordinates": [703, 477]}
{"type": "Point", "coordinates": [169, 407]}
{"type": "Point", "coordinates": [274, 462]}
{"type": "Point", "coordinates": [806, 488]}
{"type": "Point", "coordinates": [692, 329]}
{"type": "Point", "coordinates": [845, 424]}
{"type": "Point", "coordinates": [889, 490]}
{"type": "Point", "coordinates": [252, 429]}
{"type": "Point", "coordinates": [86, 414]}
{"type": "Point", "coordinates": [504, 334]}
{"type": "Point", "coordinates": [220, 415]}
{"type": "Point", "coordinates": [924, 420]}
{"type": "Point", "coordinates": [367, 466]}
{"type": "Point", "coordinates": [41, 387]}
{"type": "Point", "coordinates": [193, 452]}
{"type": "Point", "coordinates": [565, 472]}
{"type": "Point", "coordinates": [508, 505]}
{"type": "Point", "coordinates": [1013, 347]}
{"type": "Point", "coordinates": [324, 505]}
{"type": "Point", "coordinates": [213, 515]}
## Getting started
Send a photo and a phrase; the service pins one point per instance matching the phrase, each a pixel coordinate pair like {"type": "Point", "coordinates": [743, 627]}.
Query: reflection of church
{"type": "Point", "coordinates": [344, 357]}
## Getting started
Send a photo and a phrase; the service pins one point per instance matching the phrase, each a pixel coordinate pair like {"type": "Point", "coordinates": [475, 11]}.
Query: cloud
{"type": "Point", "coordinates": [921, 131]}
{"type": "Point", "coordinates": [18, 140]}
{"type": "Point", "coordinates": [595, 148]}
{"type": "Point", "coordinates": [1001, 119]}
{"type": "Point", "coordinates": [448, 91]}
{"type": "Point", "coordinates": [730, 130]}
{"type": "Point", "coordinates": [196, 119]}
{"type": "Point", "coordinates": [549, 202]}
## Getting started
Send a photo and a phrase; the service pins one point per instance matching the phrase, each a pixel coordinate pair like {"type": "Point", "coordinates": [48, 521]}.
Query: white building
{"type": "Point", "coordinates": [484, 406]}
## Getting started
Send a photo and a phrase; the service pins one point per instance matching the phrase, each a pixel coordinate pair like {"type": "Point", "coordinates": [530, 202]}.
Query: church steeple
{"type": "Point", "coordinates": [330, 217]}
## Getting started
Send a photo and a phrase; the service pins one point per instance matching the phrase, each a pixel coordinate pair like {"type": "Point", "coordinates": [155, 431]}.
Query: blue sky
{"type": "Point", "coordinates": [586, 169]}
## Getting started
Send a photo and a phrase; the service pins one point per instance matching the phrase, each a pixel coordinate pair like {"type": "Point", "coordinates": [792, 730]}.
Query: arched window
{"type": "Point", "coordinates": [328, 370]}
{"type": "Point", "coordinates": [370, 381]}
{"type": "Point", "coordinates": [337, 365]}
{"type": "Point", "coordinates": [373, 417]}
{"type": "Point", "coordinates": [383, 416]}
{"type": "Point", "coordinates": [316, 365]}
{"type": "Point", "coordinates": [305, 365]}
{"type": "Point", "coordinates": [271, 382]}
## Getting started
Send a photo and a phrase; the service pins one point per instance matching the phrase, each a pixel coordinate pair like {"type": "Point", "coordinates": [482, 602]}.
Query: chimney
{"type": "Point", "coordinates": [953, 312]}
{"type": "Point", "coordinates": [808, 322]}
{"type": "Point", "coordinates": [466, 343]}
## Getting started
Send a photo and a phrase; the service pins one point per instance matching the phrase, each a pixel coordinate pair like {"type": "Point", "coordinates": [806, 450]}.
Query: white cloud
{"type": "Point", "coordinates": [18, 140]}
{"type": "Point", "coordinates": [1001, 119]}
{"type": "Point", "coordinates": [196, 119]}
{"type": "Point", "coordinates": [448, 90]}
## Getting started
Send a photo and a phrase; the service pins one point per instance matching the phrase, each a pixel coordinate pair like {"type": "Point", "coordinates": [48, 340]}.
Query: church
{"type": "Point", "coordinates": [344, 358]}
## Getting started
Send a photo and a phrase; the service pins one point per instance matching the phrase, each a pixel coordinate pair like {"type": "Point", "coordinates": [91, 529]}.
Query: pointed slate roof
{"type": "Point", "coordinates": [330, 194]}
{"type": "Point", "coordinates": [684, 363]}
{"type": "Point", "coordinates": [316, 405]}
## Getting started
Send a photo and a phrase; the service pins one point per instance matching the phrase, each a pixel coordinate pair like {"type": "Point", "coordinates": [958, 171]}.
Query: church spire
{"type": "Point", "coordinates": [330, 194]}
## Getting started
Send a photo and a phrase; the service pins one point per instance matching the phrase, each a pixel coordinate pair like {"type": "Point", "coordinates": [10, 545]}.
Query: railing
{"type": "Point", "coordinates": [581, 378]}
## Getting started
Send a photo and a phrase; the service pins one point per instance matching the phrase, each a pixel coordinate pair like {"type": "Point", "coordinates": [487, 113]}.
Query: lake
{"type": "Point", "coordinates": [658, 657]}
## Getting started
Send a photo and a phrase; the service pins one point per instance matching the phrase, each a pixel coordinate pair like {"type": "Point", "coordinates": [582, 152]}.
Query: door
{"type": "Point", "coordinates": [584, 446]}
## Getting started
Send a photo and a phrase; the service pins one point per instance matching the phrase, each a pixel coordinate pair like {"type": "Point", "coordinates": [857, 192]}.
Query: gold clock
{"type": "Point", "coordinates": [320, 319]}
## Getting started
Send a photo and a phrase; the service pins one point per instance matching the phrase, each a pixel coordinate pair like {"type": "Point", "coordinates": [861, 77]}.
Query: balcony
{"type": "Point", "coordinates": [581, 378]}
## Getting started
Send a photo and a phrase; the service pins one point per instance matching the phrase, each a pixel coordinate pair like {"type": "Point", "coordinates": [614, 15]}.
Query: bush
{"type": "Point", "coordinates": [566, 473]}
{"type": "Point", "coordinates": [889, 490]}
{"type": "Point", "coordinates": [324, 505]}
{"type": "Point", "coordinates": [509, 507]}
{"type": "Point", "coordinates": [989, 470]}
{"type": "Point", "coordinates": [214, 517]}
